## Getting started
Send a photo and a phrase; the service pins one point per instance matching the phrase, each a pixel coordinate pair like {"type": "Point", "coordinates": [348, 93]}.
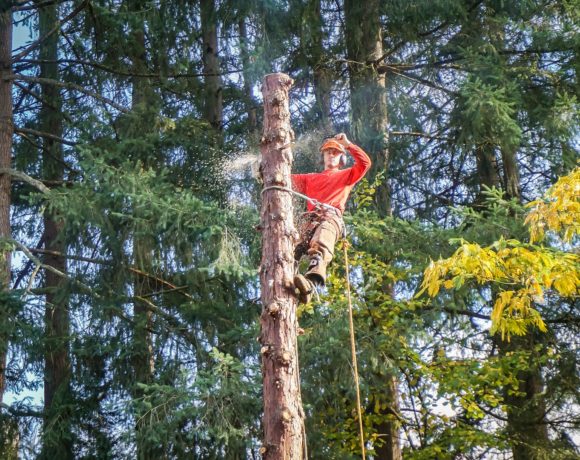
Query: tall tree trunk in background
{"type": "Point", "coordinates": [143, 244]}
{"type": "Point", "coordinates": [368, 96]}
{"type": "Point", "coordinates": [370, 130]}
{"type": "Point", "coordinates": [6, 133]}
{"type": "Point", "coordinates": [8, 428]}
{"type": "Point", "coordinates": [487, 171]}
{"type": "Point", "coordinates": [526, 409]}
{"type": "Point", "coordinates": [57, 430]}
{"type": "Point", "coordinates": [312, 34]}
{"type": "Point", "coordinates": [283, 414]}
{"type": "Point", "coordinates": [251, 105]}
{"type": "Point", "coordinates": [511, 175]}
{"type": "Point", "coordinates": [213, 91]}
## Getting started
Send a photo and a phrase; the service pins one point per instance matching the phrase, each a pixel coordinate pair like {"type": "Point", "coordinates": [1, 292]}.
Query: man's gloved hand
{"type": "Point", "coordinates": [341, 137]}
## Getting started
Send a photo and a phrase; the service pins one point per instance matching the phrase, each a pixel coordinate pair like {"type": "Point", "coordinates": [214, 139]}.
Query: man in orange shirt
{"type": "Point", "coordinates": [322, 224]}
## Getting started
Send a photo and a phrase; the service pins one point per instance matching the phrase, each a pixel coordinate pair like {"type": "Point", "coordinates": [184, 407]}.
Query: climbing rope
{"type": "Point", "coordinates": [312, 201]}
{"type": "Point", "coordinates": [353, 349]}
{"type": "Point", "coordinates": [321, 205]}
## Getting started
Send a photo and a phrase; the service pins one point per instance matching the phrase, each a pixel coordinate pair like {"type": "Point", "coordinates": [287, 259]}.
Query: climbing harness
{"type": "Point", "coordinates": [345, 245]}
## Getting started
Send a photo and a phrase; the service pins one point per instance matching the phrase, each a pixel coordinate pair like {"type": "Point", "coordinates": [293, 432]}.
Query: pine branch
{"type": "Point", "coordinates": [386, 68]}
{"type": "Point", "coordinates": [50, 268]}
{"type": "Point", "coordinates": [125, 73]}
{"type": "Point", "coordinates": [48, 81]}
{"type": "Point", "coordinates": [172, 287]}
{"type": "Point", "coordinates": [171, 320]}
{"type": "Point", "coordinates": [36, 6]}
{"type": "Point", "coordinates": [45, 135]}
{"type": "Point", "coordinates": [21, 413]}
{"type": "Point", "coordinates": [25, 178]}
{"type": "Point", "coordinates": [39, 98]}
{"type": "Point", "coordinates": [416, 134]}
{"type": "Point", "coordinates": [56, 28]}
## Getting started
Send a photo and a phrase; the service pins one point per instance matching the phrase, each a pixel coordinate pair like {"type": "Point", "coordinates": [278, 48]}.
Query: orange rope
{"type": "Point", "coordinates": [353, 352]}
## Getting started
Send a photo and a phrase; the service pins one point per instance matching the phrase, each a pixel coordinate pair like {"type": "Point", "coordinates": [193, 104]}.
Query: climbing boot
{"type": "Point", "coordinates": [304, 288]}
{"type": "Point", "coordinates": [316, 272]}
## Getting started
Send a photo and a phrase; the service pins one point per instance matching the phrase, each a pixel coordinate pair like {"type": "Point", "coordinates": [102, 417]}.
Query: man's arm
{"type": "Point", "coordinates": [362, 162]}
{"type": "Point", "coordinates": [299, 182]}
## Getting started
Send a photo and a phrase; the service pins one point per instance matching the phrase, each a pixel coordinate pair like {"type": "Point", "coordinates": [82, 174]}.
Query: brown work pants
{"type": "Point", "coordinates": [319, 232]}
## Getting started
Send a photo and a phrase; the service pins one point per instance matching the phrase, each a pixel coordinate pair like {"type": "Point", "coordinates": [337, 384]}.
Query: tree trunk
{"type": "Point", "coordinates": [57, 429]}
{"type": "Point", "coordinates": [312, 34]}
{"type": "Point", "coordinates": [251, 106]}
{"type": "Point", "coordinates": [283, 414]}
{"type": "Point", "coordinates": [368, 96]}
{"type": "Point", "coordinates": [370, 130]}
{"type": "Point", "coordinates": [142, 356]}
{"type": "Point", "coordinates": [487, 171]}
{"type": "Point", "coordinates": [213, 104]}
{"type": "Point", "coordinates": [511, 175]}
{"type": "Point", "coordinates": [8, 428]}
{"type": "Point", "coordinates": [526, 411]}
{"type": "Point", "coordinates": [6, 133]}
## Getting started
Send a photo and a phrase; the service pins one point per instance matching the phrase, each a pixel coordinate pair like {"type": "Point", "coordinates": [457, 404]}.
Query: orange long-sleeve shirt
{"type": "Point", "coordinates": [333, 186]}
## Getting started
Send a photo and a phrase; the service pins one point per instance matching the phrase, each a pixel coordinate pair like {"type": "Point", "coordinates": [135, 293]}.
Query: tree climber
{"type": "Point", "coordinates": [322, 223]}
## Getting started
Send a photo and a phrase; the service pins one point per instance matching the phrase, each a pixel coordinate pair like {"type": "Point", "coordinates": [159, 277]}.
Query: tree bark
{"type": "Point", "coordinates": [8, 428]}
{"type": "Point", "coordinates": [57, 429]}
{"type": "Point", "coordinates": [213, 103]}
{"type": "Point", "coordinates": [6, 133]}
{"type": "Point", "coordinates": [511, 175]}
{"type": "Point", "coordinates": [487, 171]}
{"type": "Point", "coordinates": [283, 414]}
{"type": "Point", "coordinates": [368, 96]}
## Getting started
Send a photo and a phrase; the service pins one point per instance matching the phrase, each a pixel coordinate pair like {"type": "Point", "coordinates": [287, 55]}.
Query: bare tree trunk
{"type": "Point", "coordinates": [57, 429]}
{"type": "Point", "coordinates": [283, 414]}
{"type": "Point", "coordinates": [8, 428]}
{"type": "Point", "coordinates": [213, 107]}
{"type": "Point", "coordinates": [368, 89]}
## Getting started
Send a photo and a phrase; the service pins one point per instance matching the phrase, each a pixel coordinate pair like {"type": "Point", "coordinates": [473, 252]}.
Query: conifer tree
{"type": "Point", "coordinates": [57, 427]}
{"type": "Point", "coordinates": [8, 435]}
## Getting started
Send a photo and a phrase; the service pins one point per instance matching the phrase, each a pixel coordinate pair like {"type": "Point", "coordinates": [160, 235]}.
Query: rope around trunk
{"type": "Point", "coordinates": [319, 204]}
